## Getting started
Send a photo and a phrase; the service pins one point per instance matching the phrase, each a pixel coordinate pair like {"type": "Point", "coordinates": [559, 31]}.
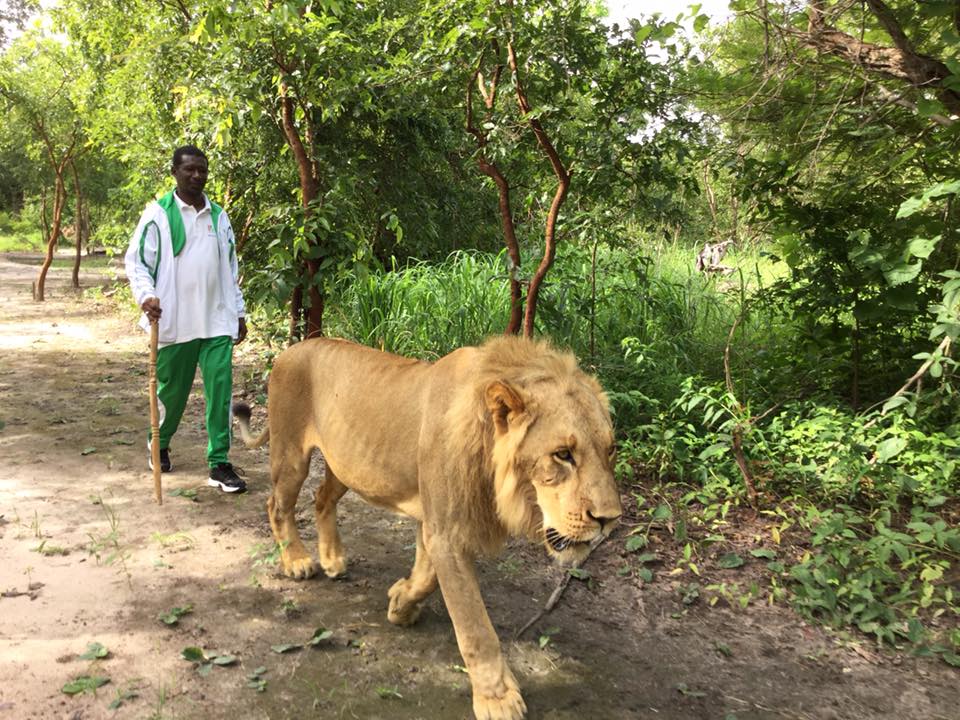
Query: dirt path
{"type": "Point", "coordinates": [86, 556]}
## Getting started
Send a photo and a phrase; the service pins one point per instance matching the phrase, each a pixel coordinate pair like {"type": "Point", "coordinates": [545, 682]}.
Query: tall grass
{"type": "Point", "coordinates": [424, 310]}
{"type": "Point", "coordinates": [640, 322]}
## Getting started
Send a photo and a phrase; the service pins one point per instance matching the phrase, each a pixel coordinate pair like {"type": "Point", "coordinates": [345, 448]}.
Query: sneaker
{"type": "Point", "coordinates": [225, 477]}
{"type": "Point", "coordinates": [165, 464]}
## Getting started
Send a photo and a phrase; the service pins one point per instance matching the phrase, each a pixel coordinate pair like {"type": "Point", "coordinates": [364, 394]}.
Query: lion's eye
{"type": "Point", "coordinates": [564, 455]}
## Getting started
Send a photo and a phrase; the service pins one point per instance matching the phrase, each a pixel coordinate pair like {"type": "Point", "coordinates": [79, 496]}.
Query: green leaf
{"type": "Point", "coordinates": [662, 512]}
{"type": "Point", "coordinates": [686, 691]}
{"type": "Point", "coordinates": [319, 635]}
{"type": "Point", "coordinates": [890, 448]}
{"type": "Point", "coordinates": [635, 542]}
{"type": "Point", "coordinates": [642, 33]}
{"type": "Point", "coordinates": [88, 451]}
{"type": "Point", "coordinates": [935, 501]}
{"type": "Point", "coordinates": [921, 247]}
{"type": "Point", "coordinates": [902, 273]}
{"type": "Point", "coordinates": [951, 658]}
{"type": "Point", "coordinates": [193, 654]}
{"type": "Point", "coordinates": [84, 684]}
{"type": "Point", "coordinates": [714, 450]}
{"type": "Point", "coordinates": [894, 403]}
{"type": "Point", "coordinates": [224, 660]}
{"type": "Point", "coordinates": [94, 651]}
{"type": "Point", "coordinates": [730, 560]}
{"type": "Point", "coordinates": [285, 647]}
{"type": "Point", "coordinates": [172, 617]}
{"type": "Point", "coordinates": [763, 553]}
{"type": "Point", "coordinates": [927, 107]}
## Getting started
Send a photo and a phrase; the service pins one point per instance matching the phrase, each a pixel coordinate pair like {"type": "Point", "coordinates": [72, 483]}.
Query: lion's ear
{"type": "Point", "coordinates": [503, 401]}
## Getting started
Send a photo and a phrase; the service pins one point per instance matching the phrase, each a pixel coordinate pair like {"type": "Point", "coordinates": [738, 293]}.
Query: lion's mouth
{"type": "Point", "coordinates": [560, 542]}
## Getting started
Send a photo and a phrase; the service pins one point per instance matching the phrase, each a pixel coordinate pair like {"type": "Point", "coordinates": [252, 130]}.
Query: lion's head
{"type": "Point", "coordinates": [552, 448]}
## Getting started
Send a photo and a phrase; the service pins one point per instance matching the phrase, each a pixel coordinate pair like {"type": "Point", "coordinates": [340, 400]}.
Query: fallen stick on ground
{"type": "Point", "coordinates": [560, 588]}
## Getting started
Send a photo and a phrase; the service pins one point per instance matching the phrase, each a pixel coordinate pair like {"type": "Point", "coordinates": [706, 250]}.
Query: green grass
{"type": "Point", "coordinates": [21, 242]}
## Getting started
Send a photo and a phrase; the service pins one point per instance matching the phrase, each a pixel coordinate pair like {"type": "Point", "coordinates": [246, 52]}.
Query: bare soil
{"type": "Point", "coordinates": [87, 556]}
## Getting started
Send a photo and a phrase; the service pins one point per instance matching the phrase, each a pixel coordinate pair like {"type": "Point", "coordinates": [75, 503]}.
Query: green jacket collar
{"type": "Point", "coordinates": [178, 235]}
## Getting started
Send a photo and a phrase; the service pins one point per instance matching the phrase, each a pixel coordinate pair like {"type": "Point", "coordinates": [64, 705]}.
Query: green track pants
{"type": "Point", "coordinates": [176, 368]}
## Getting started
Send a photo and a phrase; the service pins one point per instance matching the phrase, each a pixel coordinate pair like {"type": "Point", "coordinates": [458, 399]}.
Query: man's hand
{"type": "Point", "coordinates": [151, 306]}
{"type": "Point", "coordinates": [241, 331]}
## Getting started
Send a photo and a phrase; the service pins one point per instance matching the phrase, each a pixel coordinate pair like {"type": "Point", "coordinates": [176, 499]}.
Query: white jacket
{"type": "Point", "coordinates": [159, 238]}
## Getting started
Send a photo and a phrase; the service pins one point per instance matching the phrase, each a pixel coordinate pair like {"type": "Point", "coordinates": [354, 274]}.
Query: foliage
{"type": "Point", "coordinates": [204, 663]}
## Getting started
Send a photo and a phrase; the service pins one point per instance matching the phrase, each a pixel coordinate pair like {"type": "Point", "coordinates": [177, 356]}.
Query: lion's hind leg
{"type": "Point", "coordinates": [332, 559]}
{"type": "Point", "coordinates": [407, 594]}
{"type": "Point", "coordinates": [288, 469]}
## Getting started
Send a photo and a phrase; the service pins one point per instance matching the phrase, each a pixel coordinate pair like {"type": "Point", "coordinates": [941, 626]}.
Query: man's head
{"type": "Point", "coordinates": [190, 171]}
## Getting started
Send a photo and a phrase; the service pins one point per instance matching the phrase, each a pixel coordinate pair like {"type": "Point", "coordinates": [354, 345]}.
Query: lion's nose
{"type": "Point", "coordinates": [606, 522]}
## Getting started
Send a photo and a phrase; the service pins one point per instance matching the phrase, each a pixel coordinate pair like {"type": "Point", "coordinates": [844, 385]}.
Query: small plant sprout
{"type": "Point", "coordinates": [173, 615]}
{"type": "Point", "coordinates": [546, 637]}
{"type": "Point", "coordinates": [50, 550]}
{"type": "Point", "coordinates": [320, 635]}
{"type": "Point", "coordinates": [204, 663]}
{"type": "Point", "coordinates": [95, 651]}
{"type": "Point", "coordinates": [256, 680]}
{"type": "Point", "coordinates": [84, 684]}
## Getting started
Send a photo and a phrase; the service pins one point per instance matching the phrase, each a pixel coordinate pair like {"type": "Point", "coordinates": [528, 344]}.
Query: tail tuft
{"type": "Point", "coordinates": [242, 412]}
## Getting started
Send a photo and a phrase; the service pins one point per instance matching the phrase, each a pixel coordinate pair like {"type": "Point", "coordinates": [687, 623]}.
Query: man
{"type": "Point", "coordinates": [182, 269]}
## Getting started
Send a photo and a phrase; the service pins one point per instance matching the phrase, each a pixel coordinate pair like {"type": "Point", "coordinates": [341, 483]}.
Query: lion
{"type": "Point", "coordinates": [509, 438]}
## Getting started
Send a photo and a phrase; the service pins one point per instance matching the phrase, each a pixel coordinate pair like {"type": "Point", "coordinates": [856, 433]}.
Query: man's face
{"type": "Point", "coordinates": [191, 175]}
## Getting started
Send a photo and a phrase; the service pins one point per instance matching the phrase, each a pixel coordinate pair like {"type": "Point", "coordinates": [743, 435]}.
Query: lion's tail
{"type": "Point", "coordinates": [242, 412]}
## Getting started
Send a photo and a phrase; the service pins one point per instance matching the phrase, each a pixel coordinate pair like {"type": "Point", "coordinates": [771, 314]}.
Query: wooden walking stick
{"type": "Point", "coordinates": [154, 413]}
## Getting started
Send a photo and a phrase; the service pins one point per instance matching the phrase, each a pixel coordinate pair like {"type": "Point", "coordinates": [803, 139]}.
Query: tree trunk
{"type": "Point", "coordinates": [77, 225]}
{"type": "Point", "coordinates": [59, 200]}
{"type": "Point", "coordinates": [563, 185]}
{"type": "Point", "coordinates": [44, 225]}
{"type": "Point", "coordinates": [491, 170]}
{"type": "Point", "coordinates": [309, 315]}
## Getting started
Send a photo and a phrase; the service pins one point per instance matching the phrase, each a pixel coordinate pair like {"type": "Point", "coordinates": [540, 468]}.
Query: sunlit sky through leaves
{"type": "Point", "coordinates": [621, 10]}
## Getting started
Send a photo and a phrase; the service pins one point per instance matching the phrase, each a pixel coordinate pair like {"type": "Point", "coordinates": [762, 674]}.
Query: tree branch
{"type": "Point", "coordinates": [563, 180]}
{"type": "Point", "coordinates": [503, 187]}
{"type": "Point", "coordinates": [901, 62]}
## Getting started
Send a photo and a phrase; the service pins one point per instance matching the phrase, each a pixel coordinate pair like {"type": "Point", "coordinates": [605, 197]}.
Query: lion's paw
{"type": "Point", "coordinates": [300, 568]}
{"type": "Point", "coordinates": [509, 706]}
{"type": "Point", "coordinates": [334, 566]}
{"type": "Point", "coordinates": [401, 611]}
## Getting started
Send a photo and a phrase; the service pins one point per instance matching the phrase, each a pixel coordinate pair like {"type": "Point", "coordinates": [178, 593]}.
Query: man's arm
{"type": "Point", "coordinates": [235, 274]}
{"type": "Point", "coordinates": [140, 264]}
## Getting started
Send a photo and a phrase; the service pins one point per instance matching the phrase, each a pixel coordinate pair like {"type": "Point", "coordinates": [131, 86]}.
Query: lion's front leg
{"type": "Point", "coordinates": [496, 694]}
{"type": "Point", "coordinates": [407, 594]}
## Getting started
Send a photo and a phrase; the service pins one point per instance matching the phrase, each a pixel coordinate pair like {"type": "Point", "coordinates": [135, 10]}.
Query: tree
{"type": "Point", "coordinates": [41, 82]}
{"type": "Point", "coordinates": [832, 115]}
{"type": "Point", "coordinates": [13, 17]}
